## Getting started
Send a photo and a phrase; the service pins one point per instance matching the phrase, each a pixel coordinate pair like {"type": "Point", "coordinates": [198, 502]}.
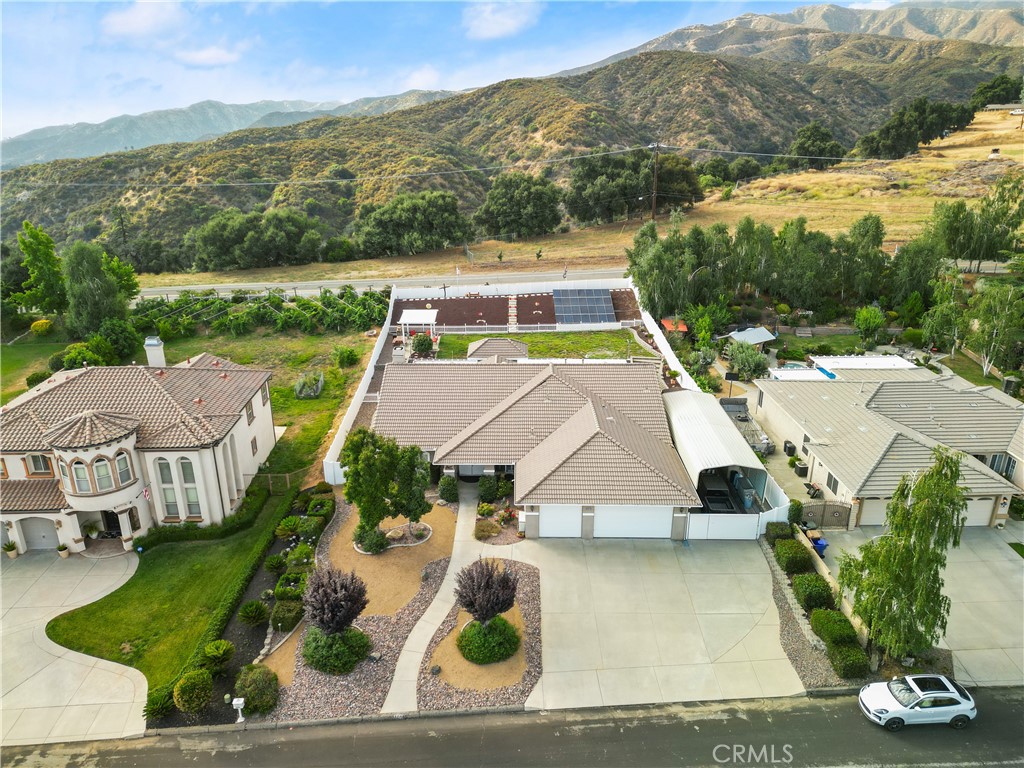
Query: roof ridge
{"type": "Point", "coordinates": [186, 418]}
{"type": "Point", "coordinates": [881, 455]}
{"type": "Point", "coordinates": [554, 466]}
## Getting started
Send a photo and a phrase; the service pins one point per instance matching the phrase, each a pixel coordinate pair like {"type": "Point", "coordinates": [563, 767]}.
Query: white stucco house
{"type": "Point", "coordinates": [126, 448]}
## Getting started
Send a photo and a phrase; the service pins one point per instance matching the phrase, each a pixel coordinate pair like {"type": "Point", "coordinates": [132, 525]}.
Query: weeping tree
{"type": "Point", "coordinates": [334, 599]}
{"type": "Point", "coordinates": [896, 579]}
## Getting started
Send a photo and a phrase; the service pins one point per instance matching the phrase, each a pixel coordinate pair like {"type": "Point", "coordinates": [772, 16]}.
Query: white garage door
{"type": "Point", "coordinates": [611, 521]}
{"type": "Point", "coordinates": [39, 533]}
{"type": "Point", "coordinates": [561, 521]}
{"type": "Point", "coordinates": [872, 511]}
{"type": "Point", "coordinates": [979, 511]}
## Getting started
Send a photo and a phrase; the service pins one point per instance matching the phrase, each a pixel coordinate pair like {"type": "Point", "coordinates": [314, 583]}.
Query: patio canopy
{"type": "Point", "coordinates": [758, 335]}
{"type": "Point", "coordinates": [418, 317]}
{"type": "Point", "coordinates": [705, 436]}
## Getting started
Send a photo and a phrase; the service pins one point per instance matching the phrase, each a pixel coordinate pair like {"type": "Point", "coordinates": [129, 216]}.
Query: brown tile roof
{"type": "Point", "coordinates": [90, 428]}
{"type": "Point", "coordinates": [599, 456]}
{"type": "Point", "coordinates": [176, 407]}
{"type": "Point", "coordinates": [31, 496]}
{"type": "Point", "coordinates": [497, 347]}
{"type": "Point", "coordinates": [206, 360]}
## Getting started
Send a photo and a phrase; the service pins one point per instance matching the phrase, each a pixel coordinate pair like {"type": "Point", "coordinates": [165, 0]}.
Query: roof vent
{"type": "Point", "coordinates": [223, 376]}
{"type": "Point", "coordinates": [198, 401]}
{"type": "Point", "coordinates": [161, 372]}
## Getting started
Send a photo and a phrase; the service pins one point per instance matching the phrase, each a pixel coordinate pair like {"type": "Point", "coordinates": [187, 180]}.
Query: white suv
{"type": "Point", "coordinates": [917, 699]}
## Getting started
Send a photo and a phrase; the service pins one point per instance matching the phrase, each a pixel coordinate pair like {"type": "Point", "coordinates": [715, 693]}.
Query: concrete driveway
{"type": "Point", "coordinates": [50, 694]}
{"type": "Point", "coordinates": [985, 584]}
{"type": "Point", "coordinates": [641, 622]}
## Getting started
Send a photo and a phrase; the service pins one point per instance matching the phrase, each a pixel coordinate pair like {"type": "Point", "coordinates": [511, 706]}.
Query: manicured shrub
{"type": "Point", "coordinates": [290, 586]}
{"type": "Point", "coordinates": [55, 362]}
{"type": "Point", "coordinates": [310, 528]}
{"type": "Point", "coordinates": [812, 591]}
{"type": "Point", "coordinates": [488, 644]}
{"type": "Point", "coordinates": [485, 590]}
{"type": "Point", "coordinates": [286, 614]}
{"type": "Point", "coordinates": [321, 506]}
{"type": "Point", "coordinates": [301, 556]}
{"type": "Point", "coordinates": [796, 507]}
{"type": "Point", "coordinates": [792, 556]}
{"type": "Point", "coordinates": [485, 529]}
{"type": "Point", "coordinates": [848, 660]}
{"type": "Point", "coordinates": [159, 704]}
{"type": "Point", "coordinates": [775, 531]}
{"type": "Point", "coordinates": [448, 489]}
{"type": "Point", "coordinates": [275, 564]}
{"type": "Point", "coordinates": [257, 684]}
{"type": "Point", "coordinates": [913, 336]}
{"type": "Point", "coordinates": [36, 378]}
{"type": "Point", "coordinates": [248, 511]}
{"type": "Point", "coordinates": [371, 539]}
{"type": "Point", "coordinates": [217, 655]}
{"type": "Point", "coordinates": [193, 691]}
{"type": "Point", "coordinates": [334, 599]}
{"type": "Point", "coordinates": [505, 488]}
{"type": "Point", "coordinates": [488, 488]}
{"type": "Point", "coordinates": [323, 487]}
{"type": "Point", "coordinates": [422, 344]}
{"type": "Point", "coordinates": [288, 527]}
{"type": "Point", "coordinates": [253, 613]}
{"type": "Point", "coordinates": [792, 460]}
{"type": "Point", "coordinates": [41, 327]}
{"type": "Point", "coordinates": [833, 627]}
{"type": "Point", "coordinates": [335, 654]}
{"type": "Point", "coordinates": [301, 503]}
{"type": "Point", "coordinates": [485, 510]}
{"type": "Point", "coordinates": [783, 308]}
{"type": "Point", "coordinates": [507, 516]}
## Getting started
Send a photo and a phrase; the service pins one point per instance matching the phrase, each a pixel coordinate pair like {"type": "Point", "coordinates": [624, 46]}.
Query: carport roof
{"type": "Point", "coordinates": [705, 436]}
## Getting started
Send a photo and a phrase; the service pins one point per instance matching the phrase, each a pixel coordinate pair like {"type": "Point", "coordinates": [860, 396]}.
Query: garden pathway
{"type": "Point", "coordinates": [51, 694]}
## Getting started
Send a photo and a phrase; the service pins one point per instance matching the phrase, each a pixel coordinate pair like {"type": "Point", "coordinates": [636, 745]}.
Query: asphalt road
{"type": "Point", "coordinates": [780, 732]}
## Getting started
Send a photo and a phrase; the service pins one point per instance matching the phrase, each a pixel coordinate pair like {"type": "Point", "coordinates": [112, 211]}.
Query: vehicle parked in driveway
{"type": "Point", "coordinates": [917, 699]}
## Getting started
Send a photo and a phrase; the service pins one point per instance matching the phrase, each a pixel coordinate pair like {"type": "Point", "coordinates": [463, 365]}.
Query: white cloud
{"type": "Point", "coordinates": [211, 56]}
{"type": "Point", "coordinates": [424, 78]}
{"type": "Point", "coordinates": [143, 19]}
{"type": "Point", "coordinates": [489, 21]}
{"type": "Point", "coordinates": [873, 5]}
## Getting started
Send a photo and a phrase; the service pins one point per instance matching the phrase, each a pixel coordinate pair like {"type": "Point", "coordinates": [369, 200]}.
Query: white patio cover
{"type": "Point", "coordinates": [705, 436]}
{"type": "Point", "coordinates": [418, 317]}
{"type": "Point", "coordinates": [758, 335]}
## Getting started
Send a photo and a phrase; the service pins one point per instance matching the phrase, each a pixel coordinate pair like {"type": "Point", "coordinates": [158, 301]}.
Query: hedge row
{"type": "Point", "coordinates": [160, 699]}
{"type": "Point", "coordinates": [248, 511]}
{"type": "Point", "coordinates": [813, 591]}
{"type": "Point", "coordinates": [775, 531]}
{"type": "Point", "coordinates": [793, 557]}
{"type": "Point", "coordinates": [844, 652]}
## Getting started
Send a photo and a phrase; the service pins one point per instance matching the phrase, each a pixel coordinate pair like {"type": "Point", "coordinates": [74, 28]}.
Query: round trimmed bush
{"type": "Point", "coordinates": [55, 362]}
{"type": "Point", "coordinates": [193, 691]}
{"type": "Point", "coordinates": [290, 586]}
{"type": "Point", "coordinates": [848, 660]}
{"type": "Point", "coordinates": [310, 527]}
{"type": "Point", "coordinates": [301, 557]}
{"type": "Point", "coordinates": [793, 557]}
{"type": "Point", "coordinates": [775, 531]}
{"type": "Point", "coordinates": [36, 378]}
{"type": "Point", "coordinates": [253, 613]}
{"type": "Point", "coordinates": [448, 489]}
{"type": "Point", "coordinates": [41, 327]}
{"type": "Point", "coordinates": [275, 564]}
{"type": "Point", "coordinates": [217, 654]}
{"type": "Point", "coordinates": [488, 488]}
{"type": "Point", "coordinates": [257, 684]}
{"type": "Point", "coordinates": [371, 540]}
{"type": "Point", "coordinates": [833, 627]}
{"type": "Point", "coordinates": [481, 644]}
{"type": "Point", "coordinates": [335, 654]}
{"type": "Point", "coordinates": [286, 615]}
{"type": "Point", "coordinates": [323, 487]}
{"type": "Point", "coordinates": [812, 591]}
{"type": "Point", "coordinates": [485, 528]}
{"type": "Point", "coordinates": [484, 509]}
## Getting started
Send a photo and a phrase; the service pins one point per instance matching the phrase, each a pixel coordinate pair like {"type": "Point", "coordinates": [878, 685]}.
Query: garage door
{"type": "Point", "coordinates": [872, 511]}
{"type": "Point", "coordinates": [979, 511]}
{"type": "Point", "coordinates": [622, 522]}
{"type": "Point", "coordinates": [39, 533]}
{"type": "Point", "coordinates": [561, 521]}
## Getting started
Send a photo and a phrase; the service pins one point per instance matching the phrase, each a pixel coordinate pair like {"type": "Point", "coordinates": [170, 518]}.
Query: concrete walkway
{"type": "Point", "coordinates": [985, 584]}
{"type": "Point", "coordinates": [630, 621]}
{"type": "Point", "coordinates": [51, 694]}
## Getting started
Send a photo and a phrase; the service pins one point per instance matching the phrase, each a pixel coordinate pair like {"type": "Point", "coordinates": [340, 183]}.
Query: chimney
{"type": "Point", "coordinates": [155, 352]}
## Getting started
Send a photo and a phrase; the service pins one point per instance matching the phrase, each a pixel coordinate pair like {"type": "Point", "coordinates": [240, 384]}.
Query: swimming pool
{"type": "Point", "coordinates": [793, 365]}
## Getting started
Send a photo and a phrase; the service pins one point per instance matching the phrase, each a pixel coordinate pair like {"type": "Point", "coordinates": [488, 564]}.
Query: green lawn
{"type": "Point", "coordinates": [1018, 548]}
{"type": "Point", "coordinates": [963, 366]}
{"type": "Point", "coordinates": [595, 344]}
{"type": "Point", "coordinates": [841, 345]}
{"type": "Point", "coordinates": [18, 360]}
{"type": "Point", "coordinates": [154, 622]}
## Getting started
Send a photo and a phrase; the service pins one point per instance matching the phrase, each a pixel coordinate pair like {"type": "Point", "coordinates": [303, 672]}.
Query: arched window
{"type": "Point", "coordinates": [64, 477]}
{"type": "Point", "coordinates": [101, 471]}
{"type": "Point", "coordinates": [170, 500]}
{"type": "Point", "coordinates": [124, 469]}
{"type": "Point", "coordinates": [188, 480]}
{"type": "Point", "coordinates": [81, 474]}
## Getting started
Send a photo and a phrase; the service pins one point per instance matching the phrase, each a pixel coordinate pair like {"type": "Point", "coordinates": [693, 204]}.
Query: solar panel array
{"type": "Point", "coordinates": [584, 305]}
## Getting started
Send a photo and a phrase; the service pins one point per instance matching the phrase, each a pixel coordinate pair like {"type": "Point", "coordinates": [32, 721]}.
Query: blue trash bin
{"type": "Point", "coordinates": [820, 545]}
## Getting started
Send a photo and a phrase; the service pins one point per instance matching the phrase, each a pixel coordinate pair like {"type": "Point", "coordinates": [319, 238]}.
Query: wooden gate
{"type": "Point", "coordinates": [827, 514]}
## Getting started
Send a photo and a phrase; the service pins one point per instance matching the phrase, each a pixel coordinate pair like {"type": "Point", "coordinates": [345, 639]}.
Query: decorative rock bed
{"type": "Point", "coordinates": [433, 693]}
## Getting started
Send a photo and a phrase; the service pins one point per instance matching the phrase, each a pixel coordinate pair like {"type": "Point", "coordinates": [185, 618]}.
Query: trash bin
{"type": "Point", "coordinates": [820, 545]}
{"type": "Point", "coordinates": [789, 447]}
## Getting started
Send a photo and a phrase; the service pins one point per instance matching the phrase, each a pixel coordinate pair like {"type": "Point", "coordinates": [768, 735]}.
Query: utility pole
{"type": "Point", "coordinates": [654, 195]}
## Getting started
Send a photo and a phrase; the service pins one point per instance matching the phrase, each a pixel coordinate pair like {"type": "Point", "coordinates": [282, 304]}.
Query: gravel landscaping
{"type": "Point", "coordinates": [434, 694]}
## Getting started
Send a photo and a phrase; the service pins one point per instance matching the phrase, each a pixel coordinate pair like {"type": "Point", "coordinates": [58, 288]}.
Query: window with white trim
{"type": "Point", "coordinates": [188, 480]}
{"type": "Point", "coordinates": [833, 483]}
{"type": "Point", "coordinates": [65, 478]}
{"type": "Point", "coordinates": [167, 494]}
{"type": "Point", "coordinates": [38, 464]}
{"type": "Point", "coordinates": [249, 413]}
{"type": "Point", "coordinates": [81, 474]}
{"type": "Point", "coordinates": [101, 471]}
{"type": "Point", "coordinates": [124, 469]}
{"type": "Point", "coordinates": [265, 393]}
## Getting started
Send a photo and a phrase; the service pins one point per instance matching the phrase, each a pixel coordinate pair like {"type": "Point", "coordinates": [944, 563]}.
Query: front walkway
{"type": "Point", "coordinates": [630, 621]}
{"type": "Point", "coordinates": [985, 584]}
{"type": "Point", "coordinates": [51, 694]}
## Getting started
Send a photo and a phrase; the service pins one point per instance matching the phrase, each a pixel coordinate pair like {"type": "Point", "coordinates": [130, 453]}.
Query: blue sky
{"type": "Point", "coordinates": [86, 62]}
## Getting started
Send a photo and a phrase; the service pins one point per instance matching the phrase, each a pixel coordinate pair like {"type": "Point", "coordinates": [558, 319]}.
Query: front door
{"type": "Point", "coordinates": [111, 523]}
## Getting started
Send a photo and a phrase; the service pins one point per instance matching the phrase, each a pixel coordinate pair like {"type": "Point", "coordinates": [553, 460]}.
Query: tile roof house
{"type": "Point", "coordinates": [860, 438]}
{"type": "Point", "coordinates": [122, 448]}
{"type": "Point", "coordinates": [589, 444]}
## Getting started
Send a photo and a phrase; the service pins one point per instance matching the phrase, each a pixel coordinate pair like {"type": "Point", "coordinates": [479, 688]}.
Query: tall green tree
{"type": "Point", "coordinates": [412, 477]}
{"type": "Point", "coordinates": [1002, 89]}
{"type": "Point", "coordinates": [996, 313]}
{"type": "Point", "coordinates": [896, 579]}
{"type": "Point", "coordinates": [413, 223]}
{"type": "Point", "coordinates": [913, 268]}
{"type": "Point", "coordinates": [370, 461]}
{"type": "Point", "coordinates": [520, 204]}
{"type": "Point", "coordinates": [869, 321]}
{"type": "Point", "coordinates": [124, 276]}
{"type": "Point", "coordinates": [655, 269]}
{"type": "Point", "coordinates": [745, 360]}
{"type": "Point", "coordinates": [93, 294]}
{"type": "Point", "coordinates": [44, 289]}
{"type": "Point", "coordinates": [945, 324]}
{"type": "Point", "coordinates": [815, 147]}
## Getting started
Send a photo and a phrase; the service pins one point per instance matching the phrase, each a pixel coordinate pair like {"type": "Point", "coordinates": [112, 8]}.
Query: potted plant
{"type": "Point", "coordinates": [11, 549]}
{"type": "Point", "coordinates": [62, 550]}
{"type": "Point", "coordinates": [91, 529]}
